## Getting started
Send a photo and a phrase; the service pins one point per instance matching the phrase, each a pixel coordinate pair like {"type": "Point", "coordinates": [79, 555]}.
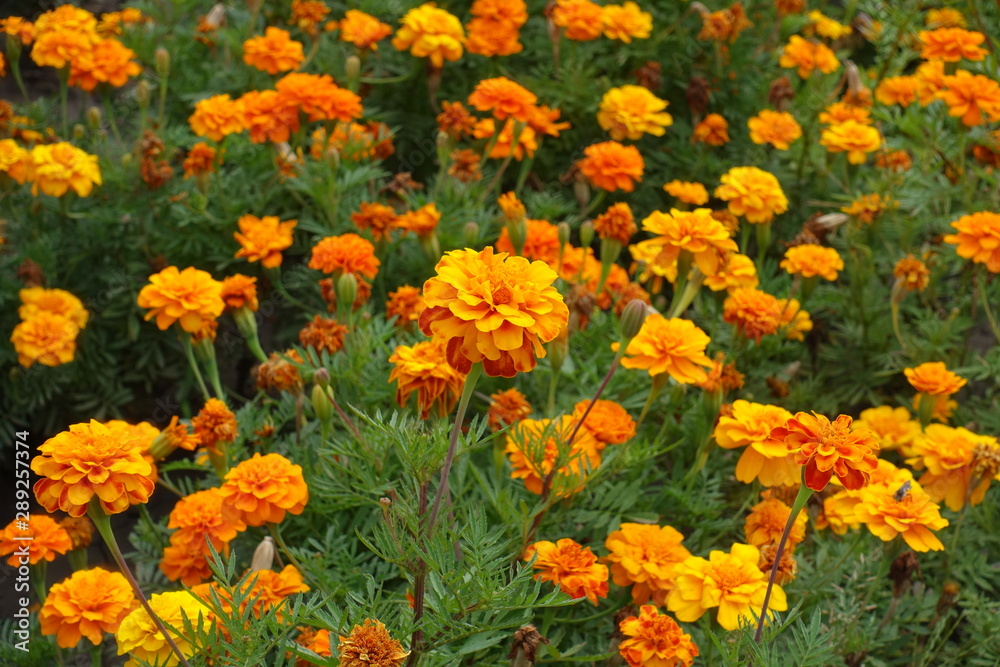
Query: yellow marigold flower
{"type": "Point", "coordinates": [695, 232]}
{"type": "Point", "coordinates": [934, 378]}
{"type": "Point", "coordinates": [904, 510]}
{"type": "Point", "coordinates": [215, 423]}
{"type": "Point", "coordinates": [750, 425]}
{"type": "Point", "coordinates": [631, 111]}
{"type": "Point", "coordinates": [527, 142]}
{"type": "Point", "coordinates": [853, 138]}
{"type": "Point", "coordinates": [752, 193]}
{"type": "Point", "coordinates": [109, 61]}
{"type": "Point", "coordinates": [46, 540]}
{"type": "Point", "coordinates": [808, 56]}
{"type": "Point", "coordinates": [688, 192]}
{"type": "Point", "coordinates": [274, 51]}
{"type": "Point", "coordinates": [18, 27]}
{"type": "Point", "coordinates": [766, 522]}
{"type": "Point", "coordinates": [264, 238]}
{"type": "Point", "coordinates": [653, 639]}
{"type": "Point", "coordinates": [261, 489]}
{"type": "Point", "coordinates": [611, 166]}
{"type": "Point", "coordinates": [978, 239]}
{"type": "Point", "coordinates": [538, 448]}
{"type": "Point", "coordinates": [582, 20]}
{"type": "Point", "coordinates": [616, 223]}
{"type": "Point", "coordinates": [503, 98]}
{"type": "Point", "coordinates": [15, 161]}
{"type": "Point", "coordinates": [319, 97]}
{"type": "Point", "coordinates": [363, 30]}
{"type": "Point", "coordinates": [48, 338]}
{"type": "Point", "coordinates": [673, 346]}
{"type": "Point", "coordinates": [971, 97]}
{"type": "Point", "coordinates": [63, 35]}
{"type": "Point", "coordinates": [571, 567]}
{"type": "Point", "coordinates": [894, 428]}
{"type": "Point", "coordinates": [191, 297]}
{"type": "Point", "coordinates": [778, 128]}
{"type": "Point", "coordinates": [838, 112]}
{"type": "Point", "coordinates": [61, 166]}
{"type": "Point", "coordinates": [753, 312]}
{"type": "Point", "coordinates": [347, 253]}
{"type": "Point", "coordinates": [730, 581]}
{"type": "Point", "coordinates": [423, 368]}
{"type": "Point", "coordinates": [828, 448]}
{"type": "Point", "coordinates": [947, 455]}
{"type": "Point", "coordinates": [824, 26]}
{"type": "Point", "coordinates": [901, 90]}
{"type": "Point", "coordinates": [506, 409]}
{"type": "Point", "coordinates": [626, 22]}
{"type": "Point", "coordinates": [712, 130]}
{"type": "Point", "coordinates": [644, 556]}
{"type": "Point", "coordinates": [608, 422]}
{"type": "Point", "coordinates": [421, 221]}
{"type": "Point", "coordinates": [86, 604]}
{"type": "Point", "coordinates": [88, 460]}
{"type": "Point", "coordinates": [868, 208]}
{"type": "Point", "coordinates": [55, 301]}
{"type": "Point", "coordinates": [370, 645]}
{"type": "Point", "coordinates": [945, 17]}
{"type": "Point", "coordinates": [809, 260]}
{"type": "Point", "coordinates": [493, 309]}
{"type": "Point", "coordinates": [951, 45]}
{"type": "Point", "coordinates": [912, 274]}
{"type": "Point", "coordinates": [794, 321]}
{"type": "Point", "coordinates": [429, 32]}
{"type": "Point", "coordinates": [139, 637]}
{"type": "Point", "coordinates": [738, 271]}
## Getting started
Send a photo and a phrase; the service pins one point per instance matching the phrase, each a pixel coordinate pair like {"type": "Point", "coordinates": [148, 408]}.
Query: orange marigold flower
{"type": "Point", "coordinates": [749, 425]}
{"type": "Point", "coordinates": [264, 238]}
{"type": "Point", "coordinates": [608, 422]}
{"type": "Point", "coordinates": [853, 138]}
{"type": "Point", "coordinates": [541, 242]}
{"type": "Point", "coordinates": [828, 448]}
{"type": "Point", "coordinates": [308, 14]}
{"type": "Point", "coordinates": [489, 37]}
{"type": "Point", "coordinates": [674, 346]}
{"type": "Point", "coordinates": [405, 304]}
{"type": "Point", "coordinates": [274, 51]}
{"type": "Point", "coordinates": [945, 17]}
{"type": "Point", "coordinates": [363, 30]}
{"type": "Point", "coordinates": [15, 26]}
{"type": "Point", "coordinates": [752, 193]}
{"type": "Point", "coordinates": [421, 221]}
{"type": "Point", "coordinates": [455, 119]}
{"type": "Point", "coordinates": [15, 161]}
{"type": "Point", "coordinates": [423, 368]}
{"type": "Point", "coordinates": [615, 223]}
{"type": "Point", "coordinates": [688, 192]}
{"type": "Point", "coordinates": [755, 313]}
{"type": "Point", "coordinates": [198, 520]}
{"type": "Point", "coordinates": [582, 20]}
{"type": "Point", "coordinates": [808, 56]}
{"type": "Point", "coordinates": [56, 301]}
{"type": "Point", "coordinates": [722, 377]}
{"type": "Point", "coordinates": [176, 436]}
{"type": "Point", "coordinates": [934, 378]}
{"type": "Point", "coordinates": [63, 35]}
{"type": "Point", "coordinates": [626, 22]}
{"type": "Point", "coordinates": [319, 97]}
{"type": "Point", "coordinates": [57, 168]}
{"type": "Point", "coordinates": [724, 25]}
{"type": "Point", "coordinates": [88, 603]}
{"type": "Point", "coordinates": [141, 638]}
{"type": "Point", "coordinates": [268, 116]}
{"type": "Point", "coordinates": [904, 510]}
{"type": "Point", "coordinates": [795, 322]}
{"type": "Point", "coordinates": [503, 98]}
{"type": "Point", "coordinates": [494, 309]}
{"type": "Point", "coordinates": [347, 253]}
{"type": "Point", "coordinates": [730, 581]}
{"type": "Point", "coordinates": [901, 90]}
{"type": "Point", "coordinates": [712, 130]}
{"type": "Point", "coordinates": [544, 120]}
{"type": "Point", "coordinates": [655, 639]}
{"type": "Point", "coordinates": [280, 372]}
{"type": "Point", "coordinates": [538, 450]}
{"type": "Point", "coordinates": [429, 32]}
{"type": "Point", "coordinates": [215, 423]}
{"type": "Point", "coordinates": [766, 522]}
{"type": "Point", "coordinates": [80, 530]}
{"type": "Point", "coordinates": [978, 239]}
{"type": "Point", "coordinates": [694, 232]}
{"type": "Point", "coordinates": [527, 142]}
{"type": "Point", "coordinates": [263, 488]}
{"type": "Point", "coordinates": [644, 556]}
{"type": "Point", "coordinates": [199, 160]}
{"type": "Point", "coordinates": [787, 568]}
{"type": "Point", "coordinates": [42, 537]}
{"type": "Point", "coordinates": [507, 408]}
{"type": "Point", "coordinates": [88, 460]}
{"type": "Point", "coordinates": [809, 260]}
{"type": "Point", "coordinates": [738, 271]}
{"type": "Point", "coordinates": [868, 208]}
{"type": "Point", "coordinates": [971, 97]}
{"type": "Point", "coordinates": [323, 334]}
{"type": "Point", "coordinates": [838, 112]}
{"type": "Point", "coordinates": [217, 117]}
{"type": "Point", "coordinates": [109, 61]}
{"type": "Point", "coordinates": [778, 128]}
{"type": "Point", "coordinates": [370, 645]}
{"type": "Point", "coordinates": [238, 291]}
{"type": "Point", "coordinates": [379, 218]}
{"type": "Point", "coordinates": [912, 274]}
{"type": "Point", "coordinates": [570, 566]}
{"type": "Point", "coordinates": [191, 297]}
{"type": "Point", "coordinates": [611, 166]}
{"type": "Point", "coordinates": [948, 456]}
{"type": "Point", "coordinates": [897, 161]}
{"type": "Point", "coordinates": [951, 45]}
{"type": "Point", "coordinates": [893, 427]}
{"type": "Point", "coordinates": [631, 111]}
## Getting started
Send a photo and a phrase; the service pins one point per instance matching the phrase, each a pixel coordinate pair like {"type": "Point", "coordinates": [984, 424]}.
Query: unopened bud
{"type": "Point", "coordinates": [563, 231]}
{"type": "Point", "coordinates": [94, 118]}
{"type": "Point", "coordinates": [322, 407]}
{"type": "Point", "coordinates": [142, 93]}
{"type": "Point", "coordinates": [470, 233]}
{"type": "Point", "coordinates": [263, 555]}
{"type": "Point", "coordinates": [126, 159]}
{"type": "Point", "coordinates": [558, 348]}
{"type": "Point", "coordinates": [632, 318]}
{"type": "Point", "coordinates": [586, 234]}
{"type": "Point", "coordinates": [442, 139]}
{"type": "Point", "coordinates": [321, 377]}
{"type": "Point", "coordinates": [352, 69]}
{"type": "Point", "coordinates": [162, 62]}
{"type": "Point", "coordinates": [332, 157]}
{"type": "Point", "coordinates": [347, 291]}
{"type": "Point", "coordinates": [79, 130]}
{"type": "Point", "coordinates": [517, 230]}
{"type": "Point", "coordinates": [581, 190]}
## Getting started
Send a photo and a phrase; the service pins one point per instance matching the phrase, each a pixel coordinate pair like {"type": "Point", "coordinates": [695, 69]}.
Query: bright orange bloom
{"type": "Point", "coordinates": [527, 142]}
{"type": "Point", "coordinates": [109, 61]}
{"type": "Point", "coordinates": [750, 426]}
{"type": "Point", "coordinates": [496, 26]}
{"type": "Point", "coordinates": [889, 511]}
{"type": "Point", "coordinates": [934, 378]}
{"type": "Point", "coordinates": [571, 567]}
{"type": "Point", "coordinates": [730, 581]}
{"type": "Point", "coordinates": [582, 20]}
{"type": "Point", "coordinates": [268, 116]}
{"type": "Point", "coordinates": [493, 309]}
{"type": "Point", "coordinates": [544, 120]}
{"type": "Point", "coordinates": [712, 130]}
{"type": "Point", "coordinates": [280, 372]}
{"type": "Point", "coordinates": [538, 448]}
{"type": "Point", "coordinates": [274, 51]}
{"type": "Point", "coordinates": [15, 161]}
{"type": "Point", "coordinates": [611, 166]}
{"type": "Point", "coordinates": [674, 346]}
{"type": "Point", "coordinates": [766, 522]}
{"type": "Point", "coordinates": [92, 460]}
{"type": "Point", "coordinates": [687, 191]}
{"type": "Point", "coordinates": [57, 168]}
{"type": "Point", "coordinates": [949, 456]}
{"type": "Point", "coordinates": [46, 540]}
{"type": "Point", "coordinates": [722, 377]}
{"type": "Point", "coordinates": [62, 36]}
{"type": "Point", "coordinates": [971, 97]}
{"type": "Point", "coordinates": [739, 271]}
{"type": "Point", "coordinates": [198, 520]}
{"type": "Point", "coordinates": [319, 97]}
{"type": "Point", "coordinates": [541, 242]}
{"type": "Point", "coordinates": [507, 408]}
{"type": "Point", "coordinates": [951, 45]}
{"type": "Point", "coordinates": [347, 253]}
{"type": "Point", "coordinates": [308, 14]}
{"type": "Point", "coordinates": [828, 448]}
{"type": "Point", "coordinates": [608, 422]}
{"type": "Point", "coordinates": [214, 424]}
{"type": "Point", "coordinates": [778, 128]}
{"type": "Point", "coordinates": [199, 160]}
{"type": "Point", "coordinates": [978, 239]}
{"type": "Point", "coordinates": [261, 489]}
{"type": "Point", "coordinates": [838, 112]}
{"type": "Point", "coordinates": [724, 25]}
{"type": "Point", "coordinates": [191, 297]}
{"type": "Point", "coordinates": [421, 221]}
{"type": "Point", "coordinates": [868, 208]}
{"type": "Point", "coordinates": [893, 427]}
{"type": "Point", "coordinates": [86, 604]}
{"type": "Point", "coordinates": [140, 637]}
{"type": "Point", "coordinates": [379, 218]}
{"type": "Point", "coordinates": [503, 98]}
{"type": "Point", "coordinates": [616, 223]}
{"type": "Point", "coordinates": [363, 30]}
{"type": "Point", "coordinates": [370, 645]}
{"type": "Point", "coordinates": [644, 556]}
{"type": "Point", "coordinates": [628, 112]}
{"type": "Point", "coordinates": [455, 119]}
{"type": "Point", "coordinates": [239, 291]}
{"type": "Point", "coordinates": [853, 138]}
{"type": "Point", "coordinates": [752, 193]}
{"type": "Point", "coordinates": [323, 334]}
{"type": "Point", "coordinates": [912, 274]}
{"type": "Point", "coordinates": [264, 238]}
{"type": "Point", "coordinates": [945, 17]}
{"type": "Point", "coordinates": [217, 117]}
{"type": "Point", "coordinates": [423, 368]}
{"type": "Point", "coordinates": [17, 27]}
{"type": "Point", "coordinates": [694, 232]}
{"type": "Point", "coordinates": [429, 32]}
{"type": "Point", "coordinates": [795, 322]}
{"type": "Point", "coordinates": [897, 161]}
{"type": "Point", "coordinates": [653, 639]}
{"type": "Point", "coordinates": [405, 304]}
{"type": "Point", "coordinates": [755, 313]}
{"type": "Point", "coordinates": [808, 56]}
{"type": "Point", "coordinates": [809, 259]}
{"type": "Point", "coordinates": [901, 90]}
{"type": "Point", "coordinates": [626, 22]}
{"type": "Point", "coordinates": [930, 79]}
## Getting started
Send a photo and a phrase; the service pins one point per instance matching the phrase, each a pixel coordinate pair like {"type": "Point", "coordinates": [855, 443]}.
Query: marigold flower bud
{"type": "Point", "coordinates": [558, 350]}
{"type": "Point", "coordinates": [322, 377]}
{"type": "Point", "coordinates": [126, 159]}
{"type": "Point", "coordinates": [586, 234]}
{"type": "Point", "coordinates": [632, 318]}
{"type": "Point", "coordinates": [263, 555]}
{"type": "Point", "coordinates": [564, 232]}
{"type": "Point", "coordinates": [352, 70]}
{"type": "Point", "coordinates": [332, 157]}
{"type": "Point", "coordinates": [347, 290]}
{"type": "Point", "coordinates": [322, 407]}
{"type": "Point", "coordinates": [162, 62]}
{"type": "Point", "coordinates": [79, 130]}
{"type": "Point", "coordinates": [143, 93]}
{"type": "Point", "coordinates": [471, 234]}
{"type": "Point", "coordinates": [517, 230]}
{"type": "Point", "coordinates": [94, 118]}
{"type": "Point", "coordinates": [581, 190]}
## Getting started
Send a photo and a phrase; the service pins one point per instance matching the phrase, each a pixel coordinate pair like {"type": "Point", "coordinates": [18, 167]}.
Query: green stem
{"type": "Point", "coordinates": [659, 381]}
{"type": "Point", "coordinates": [986, 308]}
{"type": "Point", "coordinates": [96, 655]}
{"type": "Point", "coordinates": [109, 112]}
{"type": "Point", "coordinates": [38, 578]}
{"type": "Point", "coordinates": [213, 375]}
{"type": "Point", "coordinates": [189, 353]}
